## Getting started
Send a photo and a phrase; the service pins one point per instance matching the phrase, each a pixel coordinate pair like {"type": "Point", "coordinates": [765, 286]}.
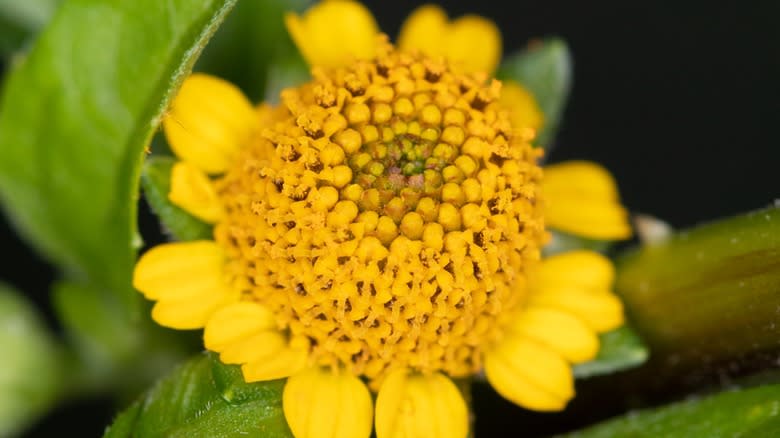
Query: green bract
{"type": "Point", "coordinates": [620, 349]}
{"type": "Point", "coordinates": [156, 181]}
{"type": "Point", "coordinates": [544, 68]}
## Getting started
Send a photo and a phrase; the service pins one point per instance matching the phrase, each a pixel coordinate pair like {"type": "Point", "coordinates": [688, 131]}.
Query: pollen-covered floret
{"type": "Point", "coordinates": [388, 214]}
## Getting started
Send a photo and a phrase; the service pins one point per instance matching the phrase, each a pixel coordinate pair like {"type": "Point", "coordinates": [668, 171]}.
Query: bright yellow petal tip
{"type": "Point", "coordinates": [558, 330]}
{"type": "Point", "coordinates": [580, 283]}
{"type": "Point", "coordinates": [187, 281]}
{"type": "Point", "coordinates": [601, 311]}
{"type": "Point", "coordinates": [424, 30]}
{"type": "Point", "coordinates": [410, 406]}
{"type": "Point", "coordinates": [192, 191]}
{"type": "Point", "coordinates": [319, 403]}
{"type": "Point", "coordinates": [582, 268]}
{"type": "Point", "coordinates": [524, 112]}
{"type": "Point", "coordinates": [529, 374]}
{"type": "Point", "coordinates": [470, 42]}
{"type": "Point", "coordinates": [269, 356]}
{"type": "Point", "coordinates": [208, 121]}
{"type": "Point", "coordinates": [581, 198]}
{"type": "Point", "coordinates": [332, 33]}
{"type": "Point", "coordinates": [173, 270]}
{"type": "Point", "coordinates": [237, 322]}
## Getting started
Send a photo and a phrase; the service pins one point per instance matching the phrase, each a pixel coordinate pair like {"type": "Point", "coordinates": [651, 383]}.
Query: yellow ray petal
{"type": "Point", "coordinates": [283, 363]}
{"type": "Point", "coordinates": [581, 177]}
{"type": "Point", "coordinates": [192, 313]}
{"type": "Point", "coordinates": [208, 121]}
{"type": "Point", "coordinates": [524, 112]}
{"type": "Point", "coordinates": [260, 347]}
{"type": "Point", "coordinates": [587, 217]}
{"type": "Point", "coordinates": [424, 30]}
{"type": "Point", "coordinates": [581, 198]}
{"type": "Point", "coordinates": [471, 43]}
{"type": "Point", "coordinates": [579, 282]}
{"type": "Point", "coordinates": [236, 322]}
{"type": "Point", "coordinates": [333, 33]}
{"type": "Point", "coordinates": [560, 331]}
{"type": "Point", "coordinates": [320, 403]}
{"type": "Point", "coordinates": [529, 375]}
{"type": "Point", "coordinates": [587, 269]}
{"type": "Point", "coordinates": [601, 311]}
{"type": "Point", "coordinates": [474, 43]}
{"type": "Point", "coordinates": [192, 191]}
{"type": "Point", "coordinates": [178, 271]}
{"type": "Point", "coordinates": [410, 406]}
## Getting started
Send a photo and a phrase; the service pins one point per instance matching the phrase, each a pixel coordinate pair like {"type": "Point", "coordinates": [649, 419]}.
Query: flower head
{"type": "Point", "coordinates": [378, 231]}
{"type": "Point", "coordinates": [388, 216]}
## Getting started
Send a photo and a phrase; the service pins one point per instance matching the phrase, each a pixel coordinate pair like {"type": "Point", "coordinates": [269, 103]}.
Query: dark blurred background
{"type": "Point", "coordinates": [680, 100]}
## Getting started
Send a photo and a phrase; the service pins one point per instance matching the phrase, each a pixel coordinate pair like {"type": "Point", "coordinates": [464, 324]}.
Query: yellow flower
{"type": "Point", "coordinates": [380, 232]}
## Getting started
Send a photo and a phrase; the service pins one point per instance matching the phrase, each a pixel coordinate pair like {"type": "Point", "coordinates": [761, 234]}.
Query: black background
{"type": "Point", "coordinates": [680, 100]}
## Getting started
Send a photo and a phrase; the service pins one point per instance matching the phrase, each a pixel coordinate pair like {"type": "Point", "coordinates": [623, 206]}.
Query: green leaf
{"type": "Point", "coordinates": [743, 413]}
{"type": "Point", "coordinates": [75, 117]}
{"type": "Point", "coordinates": [206, 398]}
{"type": "Point", "coordinates": [122, 426]}
{"type": "Point", "coordinates": [31, 376]}
{"type": "Point", "coordinates": [621, 349]}
{"type": "Point", "coordinates": [708, 295]}
{"type": "Point", "coordinates": [96, 324]}
{"type": "Point", "coordinates": [254, 51]}
{"type": "Point", "coordinates": [545, 69]}
{"type": "Point", "coordinates": [156, 182]}
{"type": "Point", "coordinates": [20, 19]}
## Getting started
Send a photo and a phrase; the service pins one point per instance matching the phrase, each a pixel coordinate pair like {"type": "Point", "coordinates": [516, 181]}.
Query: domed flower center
{"type": "Point", "coordinates": [387, 214]}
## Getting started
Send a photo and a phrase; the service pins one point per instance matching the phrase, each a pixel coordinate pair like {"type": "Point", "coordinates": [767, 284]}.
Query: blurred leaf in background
{"type": "Point", "coordinates": [21, 20]}
{"type": "Point", "coordinates": [32, 376]}
{"type": "Point", "coordinates": [113, 353]}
